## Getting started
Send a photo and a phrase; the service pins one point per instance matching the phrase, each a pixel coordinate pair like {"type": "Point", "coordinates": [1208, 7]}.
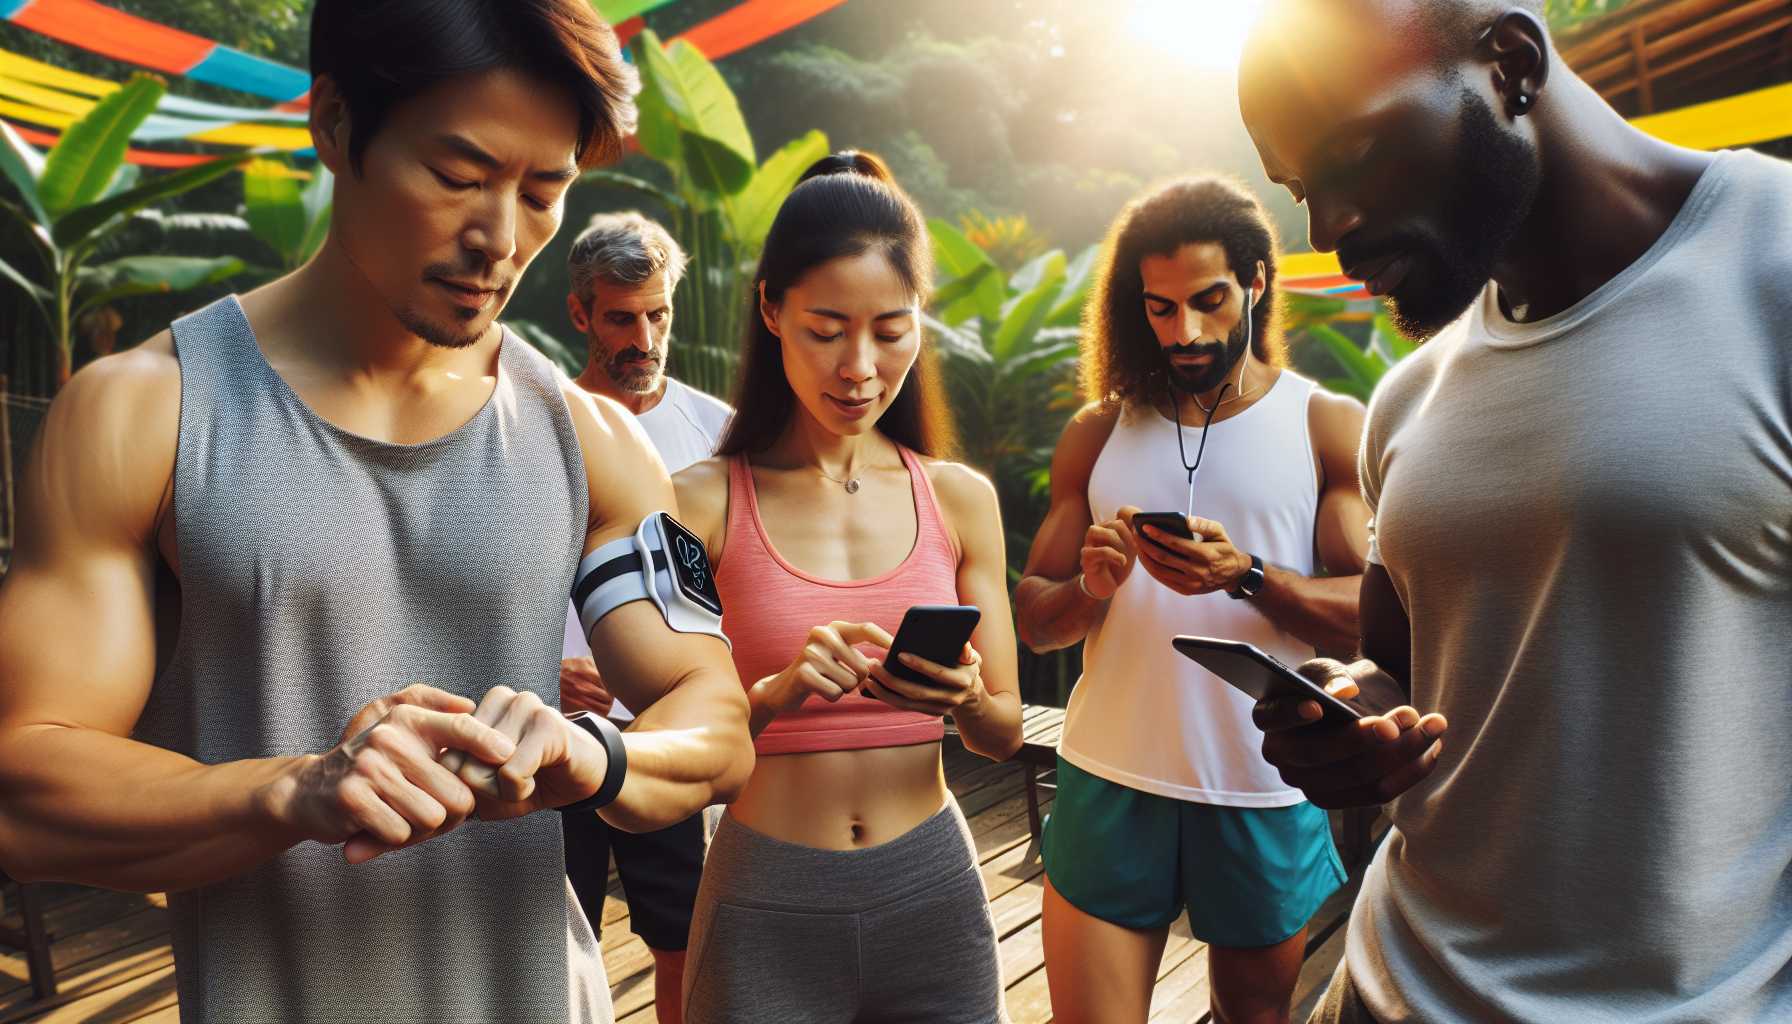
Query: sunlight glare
{"type": "Point", "coordinates": [1207, 34]}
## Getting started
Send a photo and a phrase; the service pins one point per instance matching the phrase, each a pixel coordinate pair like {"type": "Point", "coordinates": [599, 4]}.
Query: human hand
{"type": "Point", "coordinates": [1348, 764]}
{"type": "Point", "coordinates": [947, 689]}
{"type": "Point", "coordinates": [582, 688]}
{"type": "Point", "coordinates": [829, 666]}
{"type": "Point", "coordinates": [1207, 564]}
{"type": "Point", "coordinates": [1109, 551]}
{"type": "Point", "coordinates": [555, 762]}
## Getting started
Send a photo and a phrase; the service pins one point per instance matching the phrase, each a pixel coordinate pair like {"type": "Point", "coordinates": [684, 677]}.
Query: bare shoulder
{"type": "Point", "coordinates": [1080, 445]}
{"type": "Point", "coordinates": [962, 490]}
{"type": "Point", "coordinates": [626, 477]}
{"type": "Point", "coordinates": [107, 449]}
{"type": "Point", "coordinates": [702, 490]}
{"type": "Point", "coordinates": [1336, 423]}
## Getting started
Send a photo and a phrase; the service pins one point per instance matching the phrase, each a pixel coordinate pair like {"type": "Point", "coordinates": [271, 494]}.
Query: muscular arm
{"type": "Point", "coordinates": [989, 724]}
{"type": "Point", "coordinates": [79, 800]}
{"type": "Point", "coordinates": [1322, 610]}
{"type": "Point", "coordinates": [1054, 612]}
{"type": "Point", "coordinates": [689, 746]}
{"type": "Point", "coordinates": [1387, 632]}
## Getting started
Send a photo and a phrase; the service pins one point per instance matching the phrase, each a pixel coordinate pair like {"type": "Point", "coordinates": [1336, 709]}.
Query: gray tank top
{"type": "Point", "coordinates": [321, 570]}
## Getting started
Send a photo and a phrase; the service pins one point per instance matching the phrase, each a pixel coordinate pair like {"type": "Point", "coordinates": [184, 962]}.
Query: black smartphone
{"type": "Point", "coordinates": [937, 632]}
{"type": "Point", "coordinates": [1259, 675]}
{"type": "Point", "coordinates": [1174, 523]}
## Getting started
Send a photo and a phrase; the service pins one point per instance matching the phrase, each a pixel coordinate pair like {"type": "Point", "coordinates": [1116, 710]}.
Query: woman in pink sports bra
{"type": "Point", "coordinates": [843, 884]}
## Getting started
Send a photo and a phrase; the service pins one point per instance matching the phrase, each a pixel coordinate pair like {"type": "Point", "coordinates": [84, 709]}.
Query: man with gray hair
{"type": "Point", "coordinates": [624, 268]}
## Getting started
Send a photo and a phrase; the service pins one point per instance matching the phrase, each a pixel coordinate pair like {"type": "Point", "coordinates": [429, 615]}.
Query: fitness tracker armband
{"type": "Point", "coordinates": [664, 563]}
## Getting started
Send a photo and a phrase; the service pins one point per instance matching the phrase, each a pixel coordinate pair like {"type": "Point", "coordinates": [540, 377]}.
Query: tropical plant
{"type": "Point", "coordinates": [1317, 321]}
{"type": "Point", "coordinates": [1010, 347]}
{"type": "Point", "coordinates": [1009, 344]}
{"type": "Point", "coordinates": [289, 217]}
{"type": "Point", "coordinates": [721, 203]}
{"type": "Point", "coordinates": [1010, 241]}
{"type": "Point", "coordinates": [74, 200]}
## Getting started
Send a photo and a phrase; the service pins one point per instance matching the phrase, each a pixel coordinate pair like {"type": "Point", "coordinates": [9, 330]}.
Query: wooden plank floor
{"type": "Point", "coordinates": [113, 962]}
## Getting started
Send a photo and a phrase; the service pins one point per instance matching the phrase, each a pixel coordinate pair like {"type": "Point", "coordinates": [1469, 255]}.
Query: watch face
{"type": "Point", "coordinates": [690, 564]}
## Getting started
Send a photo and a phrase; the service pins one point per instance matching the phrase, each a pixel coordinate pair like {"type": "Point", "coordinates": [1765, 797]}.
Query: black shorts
{"type": "Point", "coordinates": [660, 871]}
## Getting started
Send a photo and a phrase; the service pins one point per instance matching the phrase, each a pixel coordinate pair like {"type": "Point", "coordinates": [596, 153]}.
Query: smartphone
{"type": "Point", "coordinates": [937, 632]}
{"type": "Point", "coordinates": [1259, 675]}
{"type": "Point", "coordinates": [1170, 522]}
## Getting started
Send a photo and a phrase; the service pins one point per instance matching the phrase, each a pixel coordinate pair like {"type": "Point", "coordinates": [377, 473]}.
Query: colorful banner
{"type": "Point", "coordinates": [126, 37]}
{"type": "Point", "coordinates": [1758, 116]}
{"type": "Point", "coordinates": [752, 22]}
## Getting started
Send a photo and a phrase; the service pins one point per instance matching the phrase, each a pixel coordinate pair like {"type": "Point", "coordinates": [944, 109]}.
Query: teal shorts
{"type": "Point", "coordinates": [1248, 876]}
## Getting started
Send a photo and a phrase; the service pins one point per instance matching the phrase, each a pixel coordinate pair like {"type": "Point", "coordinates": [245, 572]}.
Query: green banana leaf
{"type": "Point", "coordinates": [316, 202]}
{"type": "Point", "coordinates": [22, 165]}
{"type": "Point", "coordinates": [145, 275]}
{"type": "Point", "coordinates": [84, 161]}
{"type": "Point", "coordinates": [630, 183]}
{"type": "Point", "coordinates": [1025, 314]}
{"type": "Point", "coordinates": [750, 213]}
{"type": "Point", "coordinates": [1365, 368]}
{"type": "Point", "coordinates": [275, 207]}
{"type": "Point", "coordinates": [76, 225]}
{"type": "Point", "coordinates": [39, 294]}
{"type": "Point", "coordinates": [958, 256]}
{"type": "Point", "coordinates": [1079, 281]}
{"type": "Point", "coordinates": [679, 81]}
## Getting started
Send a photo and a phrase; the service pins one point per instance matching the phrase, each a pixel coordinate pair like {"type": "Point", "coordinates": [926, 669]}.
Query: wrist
{"type": "Point", "coordinates": [766, 694]}
{"type": "Point", "coordinates": [272, 807]}
{"type": "Point", "coordinates": [1082, 585]}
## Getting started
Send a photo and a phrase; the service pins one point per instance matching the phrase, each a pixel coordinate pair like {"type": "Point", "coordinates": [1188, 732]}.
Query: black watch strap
{"type": "Point", "coordinates": [1251, 583]}
{"type": "Point", "coordinates": [610, 737]}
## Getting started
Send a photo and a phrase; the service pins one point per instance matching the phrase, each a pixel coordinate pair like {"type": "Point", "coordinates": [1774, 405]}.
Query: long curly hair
{"type": "Point", "coordinates": [1121, 361]}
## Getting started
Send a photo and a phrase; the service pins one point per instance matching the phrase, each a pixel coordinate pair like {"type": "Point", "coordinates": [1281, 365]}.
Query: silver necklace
{"type": "Point", "coordinates": [851, 483]}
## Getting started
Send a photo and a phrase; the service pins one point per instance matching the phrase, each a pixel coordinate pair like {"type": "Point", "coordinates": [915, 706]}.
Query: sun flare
{"type": "Point", "coordinates": [1208, 34]}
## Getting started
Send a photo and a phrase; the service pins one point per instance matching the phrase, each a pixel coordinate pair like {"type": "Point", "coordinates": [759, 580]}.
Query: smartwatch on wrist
{"type": "Point", "coordinates": [610, 738]}
{"type": "Point", "coordinates": [1251, 583]}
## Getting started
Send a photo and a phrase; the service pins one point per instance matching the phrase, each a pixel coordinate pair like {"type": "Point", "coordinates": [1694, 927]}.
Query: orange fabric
{"type": "Point", "coordinates": [142, 157]}
{"type": "Point", "coordinates": [740, 27]}
{"type": "Point", "coordinates": [115, 34]}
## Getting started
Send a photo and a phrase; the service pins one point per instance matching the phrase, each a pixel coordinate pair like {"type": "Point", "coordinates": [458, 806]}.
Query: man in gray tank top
{"type": "Point", "coordinates": [1582, 487]}
{"type": "Point", "coordinates": [283, 632]}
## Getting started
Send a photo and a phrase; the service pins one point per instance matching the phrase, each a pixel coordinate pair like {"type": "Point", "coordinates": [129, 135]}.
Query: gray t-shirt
{"type": "Point", "coordinates": [1589, 521]}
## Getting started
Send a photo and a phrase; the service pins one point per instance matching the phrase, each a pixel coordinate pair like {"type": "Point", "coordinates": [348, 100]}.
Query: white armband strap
{"type": "Point", "coordinates": [664, 563]}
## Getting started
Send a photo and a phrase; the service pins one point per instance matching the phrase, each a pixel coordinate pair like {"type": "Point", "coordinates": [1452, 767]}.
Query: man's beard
{"type": "Point", "coordinates": [441, 335]}
{"type": "Point", "coordinates": [635, 374]}
{"type": "Point", "coordinates": [1496, 183]}
{"type": "Point", "coordinates": [455, 334]}
{"type": "Point", "coordinates": [1200, 381]}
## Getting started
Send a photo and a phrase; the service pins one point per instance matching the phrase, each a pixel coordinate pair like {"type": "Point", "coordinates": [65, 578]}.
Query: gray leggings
{"type": "Point", "coordinates": [787, 934]}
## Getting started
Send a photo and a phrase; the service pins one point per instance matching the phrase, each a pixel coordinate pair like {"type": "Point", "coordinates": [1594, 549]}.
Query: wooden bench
{"type": "Point", "coordinates": [31, 937]}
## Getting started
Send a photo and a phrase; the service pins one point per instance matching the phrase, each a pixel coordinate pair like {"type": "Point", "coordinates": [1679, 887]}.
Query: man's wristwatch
{"type": "Point", "coordinates": [610, 738]}
{"type": "Point", "coordinates": [1251, 583]}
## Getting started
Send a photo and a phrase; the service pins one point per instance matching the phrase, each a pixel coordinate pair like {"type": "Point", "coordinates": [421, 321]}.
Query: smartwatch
{"type": "Point", "coordinates": [663, 563]}
{"type": "Point", "coordinates": [1251, 583]}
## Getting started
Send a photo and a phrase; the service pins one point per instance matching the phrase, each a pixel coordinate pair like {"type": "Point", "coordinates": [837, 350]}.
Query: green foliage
{"type": "Point", "coordinates": [290, 218]}
{"type": "Point", "coordinates": [1321, 324]}
{"type": "Point", "coordinates": [1010, 356]}
{"type": "Point", "coordinates": [1565, 13]}
{"type": "Point", "coordinates": [721, 201]}
{"type": "Point", "coordinates": [81, 195]}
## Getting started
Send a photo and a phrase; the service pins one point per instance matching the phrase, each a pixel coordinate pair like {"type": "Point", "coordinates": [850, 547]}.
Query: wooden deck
{"type": "Point", "coordinates": [113, 963]}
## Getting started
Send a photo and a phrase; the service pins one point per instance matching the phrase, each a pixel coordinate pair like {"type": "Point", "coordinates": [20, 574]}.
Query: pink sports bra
{"type": "Point", "coordinates": [771, 605]}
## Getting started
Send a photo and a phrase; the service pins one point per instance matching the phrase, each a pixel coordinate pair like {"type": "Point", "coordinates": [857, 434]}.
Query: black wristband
{"type": "Point", "coordinates": [610, 737]}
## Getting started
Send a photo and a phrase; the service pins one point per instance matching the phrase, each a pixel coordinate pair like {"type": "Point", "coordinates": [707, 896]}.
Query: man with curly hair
{"type": "Point", "coordinates": [1163, 798]}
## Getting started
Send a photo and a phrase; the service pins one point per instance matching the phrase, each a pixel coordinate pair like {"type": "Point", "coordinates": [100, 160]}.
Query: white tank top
{"type": "Point", "coordinates": [1142, 715]}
